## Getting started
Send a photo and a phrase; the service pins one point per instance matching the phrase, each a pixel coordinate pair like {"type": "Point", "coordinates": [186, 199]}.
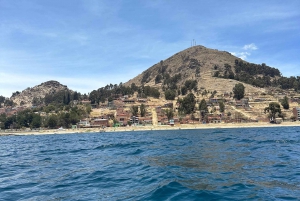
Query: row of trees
{"type": "Point", "coordinates": [258, 75]}
{"type": "Point", "coordinates": [31, 118]}
{"type": "Point", "coordinates": [187, 105]}
{"type": "Point", "coordinates": [111, 92]}
{"type": "Point", "coordinates": [135, 110]}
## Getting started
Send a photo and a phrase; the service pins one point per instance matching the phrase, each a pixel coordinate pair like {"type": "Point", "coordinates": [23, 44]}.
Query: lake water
{"type": "Point", "coordinates": [216, 164]}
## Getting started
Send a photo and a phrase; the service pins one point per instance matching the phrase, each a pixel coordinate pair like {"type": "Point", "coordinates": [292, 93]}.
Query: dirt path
{"type": "Point", "coordinates": [154, 117]}
{"type": "Point", "coordinates": [243, 113]}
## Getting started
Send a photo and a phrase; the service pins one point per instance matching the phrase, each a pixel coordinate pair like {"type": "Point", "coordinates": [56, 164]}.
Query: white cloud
{"type": "Point", "coordinates": [251, 46]}
{"type": "Point", "coordinates": [242, 55]}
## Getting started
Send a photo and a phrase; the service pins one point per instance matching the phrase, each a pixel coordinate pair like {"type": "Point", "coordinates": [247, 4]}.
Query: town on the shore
{"type": "Point", "coordinates": [208, 108]}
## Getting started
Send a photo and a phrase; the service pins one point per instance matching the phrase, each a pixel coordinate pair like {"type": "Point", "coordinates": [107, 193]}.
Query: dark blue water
{"type": "Point", "coordinates": [221, 164]}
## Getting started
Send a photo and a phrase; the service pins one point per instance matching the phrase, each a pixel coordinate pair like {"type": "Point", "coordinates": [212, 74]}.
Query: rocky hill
{"type": "Point", "coordinates": [207, 66]}
{"type": "Point", "coordinates": [35, 95]}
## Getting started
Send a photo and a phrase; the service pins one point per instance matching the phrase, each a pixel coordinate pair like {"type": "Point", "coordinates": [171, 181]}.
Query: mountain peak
{"type": "Point", "coordinates": [204, 66]}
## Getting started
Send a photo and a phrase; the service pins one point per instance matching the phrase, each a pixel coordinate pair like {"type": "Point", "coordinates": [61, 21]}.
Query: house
{"type": "Point", "coordinates": [295, 100]}
{"type": "Point", "coordinates": [122, 119]}
{"type": "Point", "coordinates": [134, 120]}
{"type": "Point", "coordinates": [129, 101]}
{"type": "Point", "coordinates": [162, 120]}
{"type": "Point", "coordinates": [142, 100]}
{"type": "Point", "coordinates": [100, 123]}
{"type": "Point", "coordinates": [122, 116]}
{"type": "Point", "coordinates": [296, 112]}
{"type": "Point", "coordinates": [242, 103]}
{"type": "Point", "coordinates": [215, 100]}
{"type": "Point", "coordinates": [144, 120]}
{"type": "Point", "coordinates": [84, 123]}
{"type": "Point", "coordinates": [214, 119]}
{"type": "Point", "coordinates": [259, 99]}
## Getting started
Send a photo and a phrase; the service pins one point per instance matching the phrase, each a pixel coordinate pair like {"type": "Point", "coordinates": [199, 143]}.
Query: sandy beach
{"type": "Point", "coordinates": [149, 128]}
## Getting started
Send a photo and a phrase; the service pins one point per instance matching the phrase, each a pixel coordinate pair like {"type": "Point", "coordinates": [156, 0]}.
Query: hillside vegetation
{"type": "Point", "coordinates": [199, 68]}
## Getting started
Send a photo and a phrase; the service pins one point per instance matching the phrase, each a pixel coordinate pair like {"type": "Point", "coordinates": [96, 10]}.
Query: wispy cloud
{"type": "Point", "coordinates": [244, 54]}
{"type": "Point", "coordinates": [251, 46]}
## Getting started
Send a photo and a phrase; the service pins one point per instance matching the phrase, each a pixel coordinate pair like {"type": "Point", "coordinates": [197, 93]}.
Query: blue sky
{"type": "Point", "coordinates": [86, 44]}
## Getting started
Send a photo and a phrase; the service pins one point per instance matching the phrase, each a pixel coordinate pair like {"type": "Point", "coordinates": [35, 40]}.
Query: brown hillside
{"type": "Point", "coordinates": [186, 63]}
{"type": "Point", "coordinates": [39, 92]}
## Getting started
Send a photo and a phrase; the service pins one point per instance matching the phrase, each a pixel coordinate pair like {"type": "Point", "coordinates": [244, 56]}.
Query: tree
{"type": "Point", "coordinates": [52, 121]}
{"type": "Point", "coordinates": [187, 104]}
{"type": "Point", "coordinates": [273, 109]}
{"type": "Point", "coordinates": [74, 118]}
{"type": "Point", "coordinates": [222, 106]}
{"type": "Point", "coordinates": [36, 121]}
{"type": "Point", "coordinates": [191, 84]}
{"type": "Point", "coordinates": [134, 110]}
{"type": "Point", "coordinates": [239, 91]}
{"type": "Point", "coordinates": [203, 108]}
{"type": "Point", "coordinates": [158, 79]}
{"type": "Point", "coordinates": [169, 113]}
{"type": "Point", "coordinates": [134, 87]}
{"type": "Point", "coordinates": [75, 95]}
{"type": "Point", "coordinates": [93, 97]}
{"type": "Point", "coordinates": [170, 95]}
{"type": "Point", "coordinates": [184, 90]}
{"type": "Point", "coordinates": [285, 103]}
{"type": "Point", "coordinates": [142, 110]}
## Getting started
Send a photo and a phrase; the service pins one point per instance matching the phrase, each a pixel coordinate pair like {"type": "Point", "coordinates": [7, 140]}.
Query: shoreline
{"type": "Point", "coordinates": [150, 128]}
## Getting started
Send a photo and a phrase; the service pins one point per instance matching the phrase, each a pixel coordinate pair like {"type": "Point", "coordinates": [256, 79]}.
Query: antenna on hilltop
{"type": "Point", "coordinates": [193, 43]}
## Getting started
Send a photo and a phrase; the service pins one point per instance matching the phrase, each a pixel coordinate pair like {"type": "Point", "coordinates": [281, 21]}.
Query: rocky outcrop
{"type": "Point", "coordinates": [34, 95]}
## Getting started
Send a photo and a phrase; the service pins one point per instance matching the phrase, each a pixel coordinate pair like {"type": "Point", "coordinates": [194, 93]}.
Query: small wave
{"type": "Point", "coordinates": [226, 139]}
{"type": "Point", "coordinates": [176, 191]}
{"type": "Point", "coordinates": [219, 131]}
{"type": "Point", "coordinates": [120, 145]}
{"type": "Point", "coordinates": [138, 151]}
{"type": "Point", "coordinates": [78, 150]}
